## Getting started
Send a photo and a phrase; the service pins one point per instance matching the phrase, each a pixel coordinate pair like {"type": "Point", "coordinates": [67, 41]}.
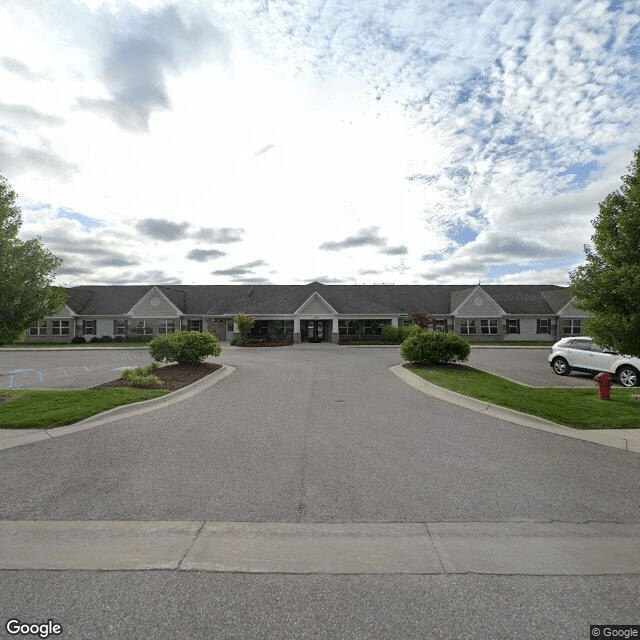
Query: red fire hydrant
{"type": "Point", "coordinates": [603, 380]}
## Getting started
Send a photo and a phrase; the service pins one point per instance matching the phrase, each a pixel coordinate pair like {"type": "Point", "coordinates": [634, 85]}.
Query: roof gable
{"type": "Point", "coordinates": [315, 304]}
{"type": "Point", "coordinates": [154, 304]}
{"type": "Point", "coordinates": [477, 304]}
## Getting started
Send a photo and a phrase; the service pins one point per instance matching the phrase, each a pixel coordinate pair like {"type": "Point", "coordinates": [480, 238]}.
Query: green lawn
{"type": "Point", "coordinates": [511, 343]}
{"type": "Point", "coordinates": [579, 408]}
{"type": "Point", "coordinates": [37, 408]}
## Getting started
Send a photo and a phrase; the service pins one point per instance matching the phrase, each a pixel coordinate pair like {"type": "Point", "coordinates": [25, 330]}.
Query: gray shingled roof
{"type": "Point", "coordinates": [520, 298]}
{"type": "Point", "coordinates": [285, 299]}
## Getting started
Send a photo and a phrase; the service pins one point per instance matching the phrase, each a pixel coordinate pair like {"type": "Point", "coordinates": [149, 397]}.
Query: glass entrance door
{"type": "Point", "coordinates": [315, 331]}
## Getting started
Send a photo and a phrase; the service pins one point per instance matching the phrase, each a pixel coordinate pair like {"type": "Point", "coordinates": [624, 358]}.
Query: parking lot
{"type": "Point", "coordinates": [528, 366]}
{"type": "Point", "coordinates": [80, 369]}
{"type": "Point", "coordinates": [72, 369]}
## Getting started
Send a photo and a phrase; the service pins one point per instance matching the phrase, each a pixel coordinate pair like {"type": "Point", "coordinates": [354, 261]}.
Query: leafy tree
{"type": "Point", "coordinates": [422, 318]}
{"type": "Point", "coordinates": [608, 285]}
{"type": "Point", "coordinates": [26, 268]}
{"type": "Point", "coordinates": [184, 347]}
{"type": "Point", "coordinates": [245, 323]}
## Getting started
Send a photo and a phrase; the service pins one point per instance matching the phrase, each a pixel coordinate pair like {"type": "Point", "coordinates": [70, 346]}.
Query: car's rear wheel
{"type": "Point", "coordinates": [628, 376]}
{"type": "Point", "coordinates": [561, 367]}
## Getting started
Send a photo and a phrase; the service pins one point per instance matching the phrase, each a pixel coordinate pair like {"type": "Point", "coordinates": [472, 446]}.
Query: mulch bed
{"type": "Point", "coordinates": [271, 343]}
{"type": "Point", "coordinates": [174, 376]}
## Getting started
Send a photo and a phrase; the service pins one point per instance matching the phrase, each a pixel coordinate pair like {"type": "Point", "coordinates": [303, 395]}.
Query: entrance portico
{"type": "Point", "coordinates": [315, 321]}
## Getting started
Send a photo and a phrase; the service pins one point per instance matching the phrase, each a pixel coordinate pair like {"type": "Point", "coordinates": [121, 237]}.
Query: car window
{"type": "Point", "coordinates": [584, 345]}
{"type": "Point", "coordinates": [595, 347]}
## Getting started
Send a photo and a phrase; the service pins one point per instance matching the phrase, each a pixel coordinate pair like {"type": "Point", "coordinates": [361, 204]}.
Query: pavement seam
{"type": "Point", "coordinates": [435, 549]}
{"type": "Point", "coordinates": [186, 553]}
{"type": "Point", "coordinates": [513, 416]}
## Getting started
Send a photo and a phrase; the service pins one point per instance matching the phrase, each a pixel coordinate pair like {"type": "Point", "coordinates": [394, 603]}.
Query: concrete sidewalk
{"type": "Point", "coordinates": [495, 548]}
{"type": "Point", "coordinates": [625, 439]}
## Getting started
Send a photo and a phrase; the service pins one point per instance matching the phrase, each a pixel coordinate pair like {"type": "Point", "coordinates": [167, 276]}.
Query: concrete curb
{"type": "Point", "coordinates": [47, 349]}
{"type": "Point", "coordinates": [603, 437]}
{"type": "Point", "coordinates": [437, 548]}
{"type": "Point", "coordinates": [125, 411]}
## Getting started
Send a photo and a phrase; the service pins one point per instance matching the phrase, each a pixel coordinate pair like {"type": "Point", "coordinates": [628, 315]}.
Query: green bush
{"type": "Point", "coordinates": [184, 347]}
{"type": "Point", "coordinates": [142, 376]}
{"type": "Point", "coordinates": [396, 335]}
{"type": "Point", "coordinates": [435, 347]}
{"type": "Point", "coordinates": [145, 381]}
{"type": "Point", "coordinates": [106, 339]}
{"type": "Point", "coordinates": [78, 340]}
{"type": "Point", "coordinates": [245, 323]}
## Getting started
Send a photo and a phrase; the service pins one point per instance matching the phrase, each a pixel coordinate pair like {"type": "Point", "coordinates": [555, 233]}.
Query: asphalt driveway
{"type": "Point", "coordinates": [321, 434]}
{"type": "Point", "coordinates": [318, 434]}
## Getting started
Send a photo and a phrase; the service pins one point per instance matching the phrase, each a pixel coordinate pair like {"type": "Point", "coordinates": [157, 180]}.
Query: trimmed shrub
{"type": "Point", "coordinates": [396, 335]}
{"type": "Point", "coordinates": [95, 339]}
{"type": "Point", "coordinates": [435, 347]}
{"type": "Point", "coordinates": [78, 340]}
{"type": "Point", "coordinates": [119, 338]}
{"type": "Point", "coordinates": [184, 347]}
{"type": "Point", "coordinates": [145, 381]}
{"type": "Point", "coordinates": [106, 339]}
{"type": "Point", "coordinates": [142, 376]}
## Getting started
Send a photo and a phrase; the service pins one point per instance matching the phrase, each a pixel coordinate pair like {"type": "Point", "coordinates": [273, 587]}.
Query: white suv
{"type": "Point", "coordinates": [582, 354]}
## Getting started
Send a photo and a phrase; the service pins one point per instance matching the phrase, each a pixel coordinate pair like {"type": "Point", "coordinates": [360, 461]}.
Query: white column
{"type": "Point", "coordinates": [394, 321]}
{"type": "Point", "coordinates": [296, 325]}
{"type": "Point", "coordinates": [335, 325]}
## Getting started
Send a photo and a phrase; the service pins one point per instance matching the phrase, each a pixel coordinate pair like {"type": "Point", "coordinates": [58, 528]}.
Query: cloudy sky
{"type": "Point", "coordinates": [345, 141]}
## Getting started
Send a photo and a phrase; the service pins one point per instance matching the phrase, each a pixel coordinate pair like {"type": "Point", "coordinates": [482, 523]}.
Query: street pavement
{"type": "Point", "coordinates": [320, 434]}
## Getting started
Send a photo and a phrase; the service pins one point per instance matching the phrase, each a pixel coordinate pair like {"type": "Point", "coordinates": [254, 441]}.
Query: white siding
{"type": "Point", "coordinates": [65, 312]}
{"type": "Point", "coordinates": [572, 312]}
{"type": "Point", "coordinates": [528, 328]}
{"type": "Point", "coordinates": [479, 305]}
{"type": "Point", "coordinates": [163, 309]}
{"type": "Point", "coordinates": [316, 307]}
{"type": "Point", "coordinates": [104, 328]}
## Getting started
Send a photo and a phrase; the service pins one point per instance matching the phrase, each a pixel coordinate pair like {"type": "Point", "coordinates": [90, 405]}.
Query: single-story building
{"type": "Point", "coordinates": [313, 312]}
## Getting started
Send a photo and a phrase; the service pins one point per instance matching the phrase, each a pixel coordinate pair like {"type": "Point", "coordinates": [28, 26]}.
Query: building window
{"type": "Point", "coordinates": [144, 327]}
{"type": "Point", "coordinates": [60, 328]}
{"type": "Point", "coordinates": [120, 327]}
{"type": "Point", "coordinates": [373, 327]}
{"type": "Point", "coordinates": [489, 327]}
{"type": "Point", "coordinates": [542, 325]}
{"type": "Point", "coordinates": [571, 327]}
{"type": "Point", "coordinates": [194, 324]}
{"type": "Point", "coordinates": [405, 322]}
{"type": "Point", "coordinates": [40, 330]}
{"type": "Point", "coordinates": [513, 325]}
{"type": "Point", "coordinates": [467, 327]}
{"type": "Point", "coordinates": [89, 327]}
{"type": "Point", "coordinates": [166, 326]}
{"type": "Point", "coordinates": [440, 325]}
{"type": "Point", "coordinates": [230, 325]}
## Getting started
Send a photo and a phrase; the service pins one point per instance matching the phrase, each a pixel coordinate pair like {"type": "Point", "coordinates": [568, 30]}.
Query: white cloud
{"type": "Point", "coordinates": [279, 129]}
